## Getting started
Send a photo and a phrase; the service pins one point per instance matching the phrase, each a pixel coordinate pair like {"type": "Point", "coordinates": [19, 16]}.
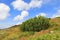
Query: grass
{"type": "Point", "coordinates": [49, 36]}
{"type": "Point", "coordinates": [15, 36]}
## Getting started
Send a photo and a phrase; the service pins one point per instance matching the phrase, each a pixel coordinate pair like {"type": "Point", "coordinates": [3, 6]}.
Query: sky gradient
{"type": "Point", "coordinates": [14, 12]}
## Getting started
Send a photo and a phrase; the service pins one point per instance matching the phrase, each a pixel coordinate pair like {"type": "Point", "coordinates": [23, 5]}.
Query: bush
{"type": "Point", "coordinates": [35, 24]}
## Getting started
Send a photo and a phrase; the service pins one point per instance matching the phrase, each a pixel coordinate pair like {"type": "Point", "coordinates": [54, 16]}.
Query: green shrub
{"type": "Point", "coordinates": [35, 24]}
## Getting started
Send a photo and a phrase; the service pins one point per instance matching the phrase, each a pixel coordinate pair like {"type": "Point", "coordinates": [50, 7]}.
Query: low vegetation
{"type": "Point", "coordinates": [35, 24]}
{"type": "Point", "coordinates": [48, 36]}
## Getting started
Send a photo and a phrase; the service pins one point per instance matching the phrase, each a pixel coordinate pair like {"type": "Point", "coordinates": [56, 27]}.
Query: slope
{"type": "Point", "coordinates": [14, 33]}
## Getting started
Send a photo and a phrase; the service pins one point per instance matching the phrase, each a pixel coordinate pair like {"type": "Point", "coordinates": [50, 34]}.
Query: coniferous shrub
{"type": "Point", "coordinates": [35, 24]}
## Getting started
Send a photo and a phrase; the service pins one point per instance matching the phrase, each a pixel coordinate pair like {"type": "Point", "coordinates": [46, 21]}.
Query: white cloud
{"type": "Point", "coordinates": [35, 3]}
{"type": "Point", "coordinates": [57, 14]}
{"type": "Point", "coordinates": [21, 5]}
{"type": "Point", "coordinates": [41, 14]}
{"type": "Point", "coordinates": [22, 16]}
{"type": "Point", "coordinates": [4, 11]}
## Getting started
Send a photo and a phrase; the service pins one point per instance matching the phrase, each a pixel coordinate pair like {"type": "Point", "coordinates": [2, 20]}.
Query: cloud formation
{"type": "Point", "coordinates": [4, 11]}
{"type": "Point", "coordinates": [21, 5]}
{"type": "Point", "coordinates": [22, 16]}
{"type": "Point", "coordinates": [35, 3]}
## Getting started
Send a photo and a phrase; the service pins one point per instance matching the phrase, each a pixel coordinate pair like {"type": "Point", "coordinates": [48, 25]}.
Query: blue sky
{"type": "Point", "coordinates": [14, 12]}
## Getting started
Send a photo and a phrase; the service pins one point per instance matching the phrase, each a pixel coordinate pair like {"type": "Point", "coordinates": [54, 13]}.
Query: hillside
{"type": "Point", "coordinates": [56, 20]}
{"type": "Point", "coordinates": [9, 32]}
{"type": "Point", "coordinates": [14, 33]}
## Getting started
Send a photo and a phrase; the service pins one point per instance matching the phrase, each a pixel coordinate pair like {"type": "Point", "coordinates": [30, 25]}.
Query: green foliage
{"type": "Point", "coordinates": [52, 36]}
{"type": "Point", "coordinates": [53, 24]}
{"type": "Point", "coordinates": [35, 24]}
{"type": "Point", "coordinates": [57, 28]}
